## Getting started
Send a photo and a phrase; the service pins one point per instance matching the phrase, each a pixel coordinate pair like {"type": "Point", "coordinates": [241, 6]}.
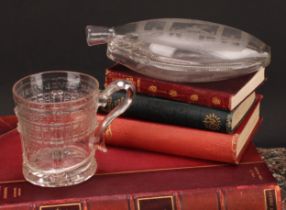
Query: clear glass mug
{"type": "Point", "coordinates": [56, 111]}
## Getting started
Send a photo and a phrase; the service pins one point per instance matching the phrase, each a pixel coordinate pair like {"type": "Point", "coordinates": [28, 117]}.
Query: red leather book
{"type": "Point", "coordinates": [224, 95]}
{"type": "Point", "coordinates": [138, 180]}
{"type": "Point", "coordinates": [185, 141]}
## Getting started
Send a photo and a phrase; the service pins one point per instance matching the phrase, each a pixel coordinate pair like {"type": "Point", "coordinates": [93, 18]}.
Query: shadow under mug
{"type": "Point", "coordinates": [59, 131]}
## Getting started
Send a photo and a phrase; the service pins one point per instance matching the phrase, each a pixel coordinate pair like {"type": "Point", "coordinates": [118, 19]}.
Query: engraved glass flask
{"type": "Point", "coordinates": [182, 50]}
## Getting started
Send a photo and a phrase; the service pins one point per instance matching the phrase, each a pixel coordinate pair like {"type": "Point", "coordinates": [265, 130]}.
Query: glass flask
{"type": "Point", "coordinates": [182, 50]}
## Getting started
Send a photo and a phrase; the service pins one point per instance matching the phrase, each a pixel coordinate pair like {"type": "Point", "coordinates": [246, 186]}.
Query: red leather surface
{"type": "Point", "coordinates": [212, 94]}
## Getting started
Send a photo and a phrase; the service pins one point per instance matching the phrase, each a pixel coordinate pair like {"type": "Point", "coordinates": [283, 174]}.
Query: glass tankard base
{"type": "Point", "coordinates": [73, 170]}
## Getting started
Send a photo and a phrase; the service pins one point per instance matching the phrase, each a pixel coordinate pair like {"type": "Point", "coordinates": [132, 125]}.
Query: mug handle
{"type": "Point", "coordinates": [104, 96]}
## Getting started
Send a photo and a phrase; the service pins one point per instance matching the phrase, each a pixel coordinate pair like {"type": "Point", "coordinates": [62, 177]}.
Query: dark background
{"type": "Point", "coordinates": [44, 35]}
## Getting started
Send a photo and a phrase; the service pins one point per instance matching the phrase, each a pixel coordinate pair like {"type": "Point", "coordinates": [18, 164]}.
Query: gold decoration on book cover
{"type": "Point", "coordinates": [5, 193]}
{"type": "Point", "coordinates": [216, 100]}
{"type": "Point", "coordinates": [194, 97]}
{"type": "Point", "coordinates": [270, 199]}
{"type": "Point", "coordinates": [17, 192]}
{"type": "Point", "coordinates": [108, 133]}
{"type": "Point", "coordinates": [212, 121]}
{"type": "Point", "coordinates": [173, 93]}
{"type": "Point", "coordinates": [152, 88]}
{"type": "Point", "coordinates": [138, 85]}
{"type": "Point", "coordinates": [229, 122]}
{"type": "Point", "coordinates": [131, 79]}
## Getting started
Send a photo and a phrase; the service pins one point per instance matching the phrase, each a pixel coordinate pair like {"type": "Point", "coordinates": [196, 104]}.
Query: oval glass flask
{"type": "Point", "coordinates": [182, 50]}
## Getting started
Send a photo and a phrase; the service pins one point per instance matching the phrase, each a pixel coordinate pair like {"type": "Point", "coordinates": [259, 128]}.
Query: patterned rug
{"type": "Point", "coordinates": [276, 161]}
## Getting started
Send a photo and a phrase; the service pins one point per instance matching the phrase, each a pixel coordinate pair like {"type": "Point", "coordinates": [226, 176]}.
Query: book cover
{"type": "Point", "coordinates": [184, 141]}
{"type": "Point", "coordinates": [224, 95]}
{"type": "Point", "coordinates": [140, 180]}
{"type": "Point", "coordinates": [7, 123]}
{"type": "Point", "coordinates": [166, 111]}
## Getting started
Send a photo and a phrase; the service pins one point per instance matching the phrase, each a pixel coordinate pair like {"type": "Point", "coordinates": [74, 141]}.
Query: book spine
{"type": "Point", "coordinates": [173, 91]}
{"type": "Point", "coordinates": [260, 197]}
{"type": "Point", "coordinates": [233, 198]}
{"type": "Point", "coordinates": [174, 112]}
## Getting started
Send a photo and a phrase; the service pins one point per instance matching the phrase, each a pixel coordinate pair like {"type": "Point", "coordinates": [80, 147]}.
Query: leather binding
{"type": "Point", "coordinates": [225, 95]}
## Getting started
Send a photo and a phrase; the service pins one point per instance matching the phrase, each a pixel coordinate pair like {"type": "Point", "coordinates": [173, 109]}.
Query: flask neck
{"type": "Point", "coordinates": [96, 35]}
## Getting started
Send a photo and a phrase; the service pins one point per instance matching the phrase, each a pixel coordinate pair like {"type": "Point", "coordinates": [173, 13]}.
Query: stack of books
{"type": "Point", "coordinates": [212, 121]}
{"type": "Point", "coordinates": [178, 147]}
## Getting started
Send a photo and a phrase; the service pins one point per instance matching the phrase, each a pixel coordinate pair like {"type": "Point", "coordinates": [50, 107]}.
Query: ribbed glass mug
{"type": "Point", "coordinates": [59, 130]}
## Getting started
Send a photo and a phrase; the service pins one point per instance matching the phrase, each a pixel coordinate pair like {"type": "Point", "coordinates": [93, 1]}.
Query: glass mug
{"type": "Point", "coordinates": [56, 111]}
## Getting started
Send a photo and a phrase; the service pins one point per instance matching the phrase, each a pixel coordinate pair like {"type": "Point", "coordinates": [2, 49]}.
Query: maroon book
{"type": "Point", "coordinates": [138, 180]}
{"type": "Point", "coordinates": [7, 123]}
{"type": "Point", "coordinates": [224, 95]}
